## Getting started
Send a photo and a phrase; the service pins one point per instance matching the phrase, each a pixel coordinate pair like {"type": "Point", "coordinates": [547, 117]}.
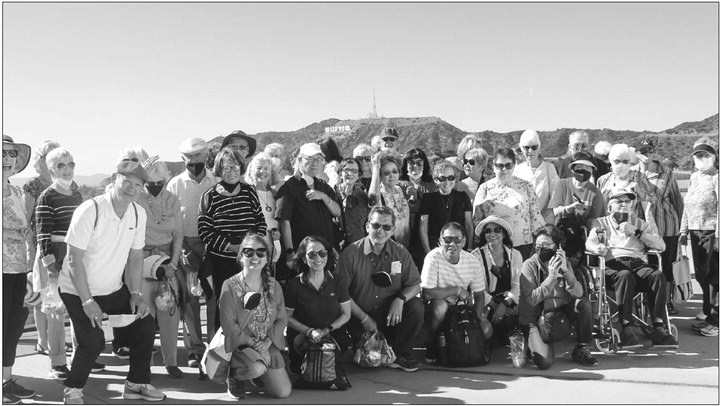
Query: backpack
{"type": "Point", "coordinates": [97, 213]}
{"type": "Point", "coordinates": [463, 337]}
{"type": "Point", "coordinates": [321, 367]}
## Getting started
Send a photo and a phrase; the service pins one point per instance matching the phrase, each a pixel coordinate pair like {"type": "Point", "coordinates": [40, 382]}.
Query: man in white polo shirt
{"type": "Point", "coordinates": [105, 234]}
{"type": "Point", "coordinates": [188, 187]}
{"type": "Point", "coordinates": [448, 272]}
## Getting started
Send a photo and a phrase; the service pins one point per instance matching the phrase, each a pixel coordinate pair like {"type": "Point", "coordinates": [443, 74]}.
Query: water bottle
{"type": "Point", "coordinates": [442, 340]}
{"type": "Point", "coordinates": [195, 288]}
{"type": "Point", "coordinates": [518, 349]}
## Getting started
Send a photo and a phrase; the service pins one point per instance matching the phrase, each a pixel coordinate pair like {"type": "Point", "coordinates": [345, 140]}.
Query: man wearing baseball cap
{"type": "Point", "coordinates": [622, 238]}
{"type": "Point", "coordinates": [188, 187]}
{"type": "Point", "coordinates": [105, 240]}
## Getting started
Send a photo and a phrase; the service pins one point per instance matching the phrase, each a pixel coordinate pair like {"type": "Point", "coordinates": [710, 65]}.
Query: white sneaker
{"type": "Point", "coordinates": [145, 391]}
{"type": "Point", "coordinates": [73, 396]}
{"type": "Point", "coordinates": [709, 331]}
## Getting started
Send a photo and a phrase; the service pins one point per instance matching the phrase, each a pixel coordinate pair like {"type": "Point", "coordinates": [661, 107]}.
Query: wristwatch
{"type": "Point", "coordinates": [330, 327]}
{"type": "Point", "coordinates": [402, 297]}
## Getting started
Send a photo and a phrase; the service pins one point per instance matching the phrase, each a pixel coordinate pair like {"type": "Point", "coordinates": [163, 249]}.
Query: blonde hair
{"type": "Point", "coordinates": [40, 155]}
{"type": "Point", "coordinates": [468, 143]}
{"type": "Point", "coordinates": [260, 158]}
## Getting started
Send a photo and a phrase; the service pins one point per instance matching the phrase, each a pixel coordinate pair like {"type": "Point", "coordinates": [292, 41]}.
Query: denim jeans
{"type": "Point", "coordinates": [91, 340]}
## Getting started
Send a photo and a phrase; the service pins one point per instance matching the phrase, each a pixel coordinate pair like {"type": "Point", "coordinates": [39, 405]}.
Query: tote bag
{"type": "Point", "coordinates": [683, 287]}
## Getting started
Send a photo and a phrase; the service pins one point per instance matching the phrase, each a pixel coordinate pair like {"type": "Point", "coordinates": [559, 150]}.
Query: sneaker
{"type": "Point", "coordinates": [671, 308]}
{"type": "Point", "coordinates": [16, 389]}
{"type": "Point", "coordinates": [145, 391]}
{"type": "Point", "coordinates": [10, 399]}
{"type": "Point", "coordinates": [709, 331]}
{"type": "Point", "coordinates": [122, 352]}
{"type": "Point", "coordinates": [662, 339]}
{"type": "Point", "coordinates": [583, 356]}
{"type": "Point", "coordinates": [40, 350]}
{"type": "Point", "coordinates": [406, 364]}
{"type": "Point", "coordinates": [192, 361]}
{"type": "Point", "coordinates": [58, 372]}
{"type": "Point", "coordinates": [431, 354]}
{"type": "Point", "coordinates": [700, 325]}
{"type": "Point", "coordinates": [629, 339]}
{"type": "Point", "coordinates": [236, 389]}
{"type": "Point", "coordinates": [73, 396]}
{"type": "Point", "coordinates": [97, 367]}
{"type": "Point", "coordinates": [174, 372]}
{"type": "Point", "coordinates": [701, 316]}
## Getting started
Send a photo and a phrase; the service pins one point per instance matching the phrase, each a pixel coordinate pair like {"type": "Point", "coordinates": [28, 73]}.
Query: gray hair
{"type": "Point", "coordinates": [41, 153]}
{"type": "Point", "coordinates": [55, 155]}
{"type": "Point", "coordinates": [260, 158]}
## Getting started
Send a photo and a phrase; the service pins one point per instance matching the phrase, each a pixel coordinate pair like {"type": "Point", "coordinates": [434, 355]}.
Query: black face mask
{"type": "Point", "coordinates": [620, 217]}
{"type": "Point", "coordinates": [382, 279]}
{"type": "Point", "coordinates": [154, 189]}
{"type": "Point", "coordinates": [582, 176]}
{"type": "Point", "coordinates": [196, 168]}
{"type": "Point", "coordinates": [545, 254]}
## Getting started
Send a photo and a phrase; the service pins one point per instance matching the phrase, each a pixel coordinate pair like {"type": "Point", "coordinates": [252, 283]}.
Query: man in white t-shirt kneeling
{"type": "Point", "coordinates": [448, 273]}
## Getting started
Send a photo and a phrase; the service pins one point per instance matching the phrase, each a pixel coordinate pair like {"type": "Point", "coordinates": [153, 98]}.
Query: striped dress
{"type": "Point", "coordinates": [53, 213]}
{"type": "Point", "coordinates": [224, 219]}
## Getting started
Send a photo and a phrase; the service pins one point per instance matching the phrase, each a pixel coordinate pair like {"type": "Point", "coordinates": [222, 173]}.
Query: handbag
{"type": "Point", "coordinates": [216, 361]}
{"type": "Point", "coordinates": [683, 287]}
{"type": "Point", "coordinates": [553, 326]}
{"type": "Point", "coordinates": [373, 350]}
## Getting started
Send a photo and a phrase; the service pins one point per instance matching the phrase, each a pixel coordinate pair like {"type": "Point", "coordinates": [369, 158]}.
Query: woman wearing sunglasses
{"type": "Point", "coordinates": [416, 181]}
{"type": "Point", "coordinates": [444, 206]}
{"type": "Point", "coordinates": [623, 176]}
{"type": "Point", "coordinates": [474, 166]}
{"type": "Point", "coordinates": [502, 266]}
{"type": "Point", "coordinates": [539, 173]}
{"type": "Point", "coordinates": [354, 200]}
{"type": "Point", "coordinates": [510, 198]}
{"type": "Point", "coordinates": [317, 300]}
{"type": "Point", "coordinates": [385, 190]}
{"type": "Point", "coordinates": [253, 317]}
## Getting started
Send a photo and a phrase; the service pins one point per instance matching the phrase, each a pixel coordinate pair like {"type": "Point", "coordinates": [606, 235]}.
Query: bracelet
{"type": "Point", "coordinates": [87, 302]}
{"type": "Point", "coordinates": [137, 292]}
{"type": "Point", "coordinates": [365, 318]}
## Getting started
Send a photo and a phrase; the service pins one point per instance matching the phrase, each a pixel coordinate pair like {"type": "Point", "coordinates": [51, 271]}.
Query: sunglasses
{"type": "Point", "coordinates": [449, 178]}
{"type": "Point", "coordinates": [489, 230]}
{"type": "Point", "coordinates": [316, 254]}
{"type": "Point", "coordinates": [363, 158]}
{"type": "Point", "coordinates": [391, 172]}
{"type": "Point", "coordinates": [62, 165]}
{"type": "Point", "coordinates": [415, 162]}
{"type": "Point", "coordinates": [527, 147]}
{"type": "Point", "coordinates": [469, 162]}
{"type": "Point", "coordinates": [12, 153]}
{"type": "Point", "coordinates": [158, 183]}
{"type": "Point", "coordinates": [501, 167]}
{"type": "Point", "coordinates": [234, 168]}
{"type": "Point", "coordinates": [448, 240]}
{"type": "Point", "coordinates": [249, 252]}
{"type": "Point", "coordinates": [620, 161]}
{"type": "Point", "coordinates": [386, 227]}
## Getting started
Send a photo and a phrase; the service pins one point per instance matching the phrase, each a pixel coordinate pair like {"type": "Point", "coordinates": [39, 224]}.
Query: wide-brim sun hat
{"type": "Point", "coordinates": [240, 134]}
{"type": "Point", "coordinates": [497, 220]}
{"type": "Point", "coordinates": [21, 162]}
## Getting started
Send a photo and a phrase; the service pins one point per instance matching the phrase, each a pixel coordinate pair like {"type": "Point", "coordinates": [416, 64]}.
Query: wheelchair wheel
{"type": "Point", "coordinates": [673, 330]}
{"type": "Point", "coordinates": [608, 341]}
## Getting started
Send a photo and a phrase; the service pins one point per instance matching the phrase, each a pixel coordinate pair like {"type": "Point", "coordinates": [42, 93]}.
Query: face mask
{"type": "Point", "coordinates": [382, 279]}
{"type": "Point", "coordinates": [154, 189]}
{"type": "Point", "coordinates": [196, 168]}
{"type": "Point", "coordinates": [621, 169]}
{"type": "Point", "coordinates": [582, 176]}
{"type": "Point", "coordinates": [545, 254]}
{"type": "Point", "coordinates": [620, 217]}
{"type": "Point", "coordinates": [703, 164]}
{"type": "Point", "coordinates": [63, 183]}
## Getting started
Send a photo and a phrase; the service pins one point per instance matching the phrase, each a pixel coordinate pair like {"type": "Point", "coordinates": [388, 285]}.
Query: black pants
{"type": "Point", "coordinates": [706, 268]}
{"type": "Point", "coordinates": [91, 340]}
{"type": "Point", "coordinates": [14, 314]}
{"type": "Point", "coordinates": [401, 336]}
{"type": "Point", "coordinates": [627, 275]}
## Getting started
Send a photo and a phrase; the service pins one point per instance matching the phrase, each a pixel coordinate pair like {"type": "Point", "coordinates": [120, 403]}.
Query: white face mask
{"type": "Point", "coordinates": [703, 164]}
{"type": "Point", "coordinates": [64, 183]}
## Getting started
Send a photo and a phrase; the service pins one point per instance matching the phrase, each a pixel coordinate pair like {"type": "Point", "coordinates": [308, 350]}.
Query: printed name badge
{"type": "Point", "coordinates": [396, 268]}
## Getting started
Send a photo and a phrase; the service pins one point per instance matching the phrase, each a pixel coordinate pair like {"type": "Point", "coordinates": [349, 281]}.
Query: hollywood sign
{"type": "Point", "coordinates": [338, 129]}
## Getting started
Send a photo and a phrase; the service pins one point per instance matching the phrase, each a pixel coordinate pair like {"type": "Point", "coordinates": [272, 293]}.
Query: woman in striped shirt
{"type": "Point", "coordinates": [53, 213]}
{"type": "Point", "coordinates": [228, 211]}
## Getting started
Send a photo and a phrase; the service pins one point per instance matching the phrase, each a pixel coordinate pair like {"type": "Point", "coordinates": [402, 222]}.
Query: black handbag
{"type": "Point", "coordinates": [553, 326]}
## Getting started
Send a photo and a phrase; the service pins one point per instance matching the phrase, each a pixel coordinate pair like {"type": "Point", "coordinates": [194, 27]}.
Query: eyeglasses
{"type": "Point", "coordinates": [317, 160]}
{"type": "Point", "coordinates": [501, 167]}
{"type": "Point", "coordinates": [12, 153]}
{"type": "Point", "coordinates": [391, 172]}
{"type": "Point", "coordinates": [249, 252]}
{"type": "Point", "coordinates": [527, 147]}
{"type": "Point", "coordinates": [386, 227]}
{"type": "Point", "coordinates": [620, 161]}
{"type": "Point", "coordinates": [234, 168]}
{"type": "Point", "coordinates": [449, 178]}
{"type": "Point", "coordinates": [363, 158]}
{"type": "Point", "coordinates": [541, 246]}
{"type": "Point", "coordinates": [489, 230]}
{"type": "Point", "coordinates": [316, 254]}
{"type": "Point", "coordinates": [415, 162]}
{"type": "Point", "coordinates": [469, 162]}
{"type": "Point", "coordinates": [452, 239]}
{"type": "Point", "coordinates": [60, 166]}
{"type": "Point", "coordinates": [350, 170]}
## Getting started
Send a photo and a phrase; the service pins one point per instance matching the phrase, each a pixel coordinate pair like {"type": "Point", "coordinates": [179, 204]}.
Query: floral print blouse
{"type": "Point", "coordinates": [396, 200]}
{"type": "Point", "coordinates": [701, 203]}
{"type": "Point", "coordinates": [16, 233]}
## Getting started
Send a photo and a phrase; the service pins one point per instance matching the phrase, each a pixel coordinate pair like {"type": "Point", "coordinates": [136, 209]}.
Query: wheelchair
{"type": "Point", "coordinates": [606, 336]}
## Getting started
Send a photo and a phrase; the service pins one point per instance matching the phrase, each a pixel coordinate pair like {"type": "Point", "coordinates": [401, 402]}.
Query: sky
{"type": "Point", "coordinates": [101, 77]}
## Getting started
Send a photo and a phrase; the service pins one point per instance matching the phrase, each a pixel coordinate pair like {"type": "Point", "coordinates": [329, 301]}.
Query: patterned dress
{"type": "Point", "coordinates": [16, 233]}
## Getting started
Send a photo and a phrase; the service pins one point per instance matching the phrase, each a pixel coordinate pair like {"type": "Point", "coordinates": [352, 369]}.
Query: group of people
{"type": "Point", "coordinates": [285, 253]}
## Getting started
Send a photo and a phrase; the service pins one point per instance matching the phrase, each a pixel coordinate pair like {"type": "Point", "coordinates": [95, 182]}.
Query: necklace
{"type": "Point", "coordinates": [265, 202]}
{"type": "Point", "coordinates": [152, 213]}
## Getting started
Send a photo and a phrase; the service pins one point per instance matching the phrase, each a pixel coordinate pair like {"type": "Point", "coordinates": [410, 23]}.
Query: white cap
{"type": "Point", "coordinates": [310, 149]}
{"type": "Point", "coordinates": [192, 145]}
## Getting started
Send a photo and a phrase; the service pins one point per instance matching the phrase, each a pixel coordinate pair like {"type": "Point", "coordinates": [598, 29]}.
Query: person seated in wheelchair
{"type": "Point", "coordinates": [550, 290]}
{"type": "Point", "coordinates": [447, 273]}
{"type": "Point", "coordinates": [622, 239]}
